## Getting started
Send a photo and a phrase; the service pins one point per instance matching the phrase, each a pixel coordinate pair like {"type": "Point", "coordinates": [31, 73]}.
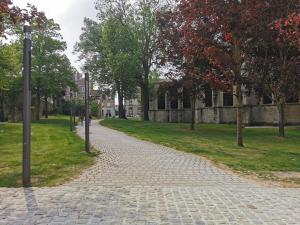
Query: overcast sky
{"type": "Point", "coordinates": [69, 15]}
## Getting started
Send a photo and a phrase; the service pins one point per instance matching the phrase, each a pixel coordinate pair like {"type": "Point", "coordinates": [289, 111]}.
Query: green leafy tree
{"type": "Point", "coordinates": [120, 60]}
{"type": "Point", "coordinates": [140, 20]}
{"type": "Point", "coordinates": [90, 49]}
{"type": "Point", "coordinates": [10, 71]}
{"type": "Point", "coordinates": [110, 53]}
{"type": "Point", "coordinates": [146, 31]}
{"type": "Point", "coordinates": [51, 69]}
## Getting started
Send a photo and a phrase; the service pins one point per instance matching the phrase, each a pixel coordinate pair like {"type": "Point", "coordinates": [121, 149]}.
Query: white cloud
{"type": "Point", "coordinates": [69, 15]}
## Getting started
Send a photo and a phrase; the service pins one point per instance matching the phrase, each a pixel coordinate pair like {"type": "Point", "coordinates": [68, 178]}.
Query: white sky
{"type": "Point", "coordinates": [69, 15]}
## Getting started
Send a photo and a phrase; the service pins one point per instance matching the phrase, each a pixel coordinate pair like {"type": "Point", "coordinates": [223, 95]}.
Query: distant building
{"type": "Point", "coordinates": [108, 107]}
{"type": "Point", "coordinates": [80, 93]}
{"type": "Point", "coordinates": [132, 107]}
{"type": "Point", "coordinates": [174, 105]}
{"type": "Point", "coordinates": [80, 82]}
{"type": "Point", "coordinates": [105, 100]}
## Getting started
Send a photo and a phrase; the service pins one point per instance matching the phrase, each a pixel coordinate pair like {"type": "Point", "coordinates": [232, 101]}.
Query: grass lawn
{"type": "Point", "coordinates": [57, 154]}
{"type": "Point", "coordinates": [263, 154]}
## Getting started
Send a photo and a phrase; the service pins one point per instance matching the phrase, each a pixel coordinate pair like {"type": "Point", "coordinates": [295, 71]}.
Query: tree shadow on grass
{"type": "Point", "coordinates": [53, 122]}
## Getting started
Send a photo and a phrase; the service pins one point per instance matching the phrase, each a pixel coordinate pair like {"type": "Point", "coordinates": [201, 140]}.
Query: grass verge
{"type": "Point", "coordinates": [264, 153]}
{"type": "Point", "coordinates": [57, 155]}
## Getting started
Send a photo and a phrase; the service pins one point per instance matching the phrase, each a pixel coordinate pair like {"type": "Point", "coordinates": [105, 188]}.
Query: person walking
{"type": "Point", "coordinates": [90, 119]}
{"type": "Point", "coordinates": [81, 119]}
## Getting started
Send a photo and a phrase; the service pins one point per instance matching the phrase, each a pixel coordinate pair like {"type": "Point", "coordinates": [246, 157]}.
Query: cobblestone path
{"type": "Point", "coordinates": [136, 182]}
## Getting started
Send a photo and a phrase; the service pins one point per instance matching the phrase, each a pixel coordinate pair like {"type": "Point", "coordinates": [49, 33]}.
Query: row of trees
{"type": "Point", "coordinates": [248, 43]}
{"type": "Point", "coordinates": [52, 72]}
{"type": "Point", "coordinates": [120, 47]}
{"type": "Point", "coordinates": [229, 45]}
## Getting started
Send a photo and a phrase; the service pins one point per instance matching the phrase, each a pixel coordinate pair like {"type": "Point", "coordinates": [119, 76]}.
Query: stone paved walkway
{"type": "Point", "coordinates": [136, 182]}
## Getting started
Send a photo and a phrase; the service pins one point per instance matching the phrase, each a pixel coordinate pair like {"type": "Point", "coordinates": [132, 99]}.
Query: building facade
{"type": "Point", "coordinates": [132, 108]}
{"type": "Point", "coordinates": [108, 107]}
{"type": "Point", "coordinates": [219, 107]}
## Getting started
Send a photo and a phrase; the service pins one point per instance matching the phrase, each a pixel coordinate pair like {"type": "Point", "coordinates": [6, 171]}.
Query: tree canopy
{"type": "Point", "coordinates": [52, 72]}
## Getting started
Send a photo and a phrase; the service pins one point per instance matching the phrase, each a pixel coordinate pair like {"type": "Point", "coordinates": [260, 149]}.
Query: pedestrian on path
{"type": "Point", "coordinates": [81, 119]}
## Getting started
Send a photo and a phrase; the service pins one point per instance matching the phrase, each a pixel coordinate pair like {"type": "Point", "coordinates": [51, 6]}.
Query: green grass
{"type": "Point", "coordinates": [57, 154]}
{"type": "Point", "coordinates": [263, 153]}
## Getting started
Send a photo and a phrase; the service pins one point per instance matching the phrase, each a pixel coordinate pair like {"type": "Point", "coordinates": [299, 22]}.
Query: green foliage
{"type": "Point", "coordinates": [138, 21]}
{"type": "Point", "coordinates": [110, 51]}
{"type": "Point", "coordinates": [10, 64]}
{"type": "Point", "coordinates": [90, 49]}
{"type": "Point", "coordinates": [78, 108]}
{"type": "Point", "coordinates": [52, 72]}
{"type": "Point", "coordinates": [120, 49]}
{"type": "Point", "coordinates": [153, 79]}
{"type": "Point", "coordinates": [119, 56]}
{"type": "Point", "coordinates": [10, 78]}
{"type": "Point", "coordinates": [94, 108]}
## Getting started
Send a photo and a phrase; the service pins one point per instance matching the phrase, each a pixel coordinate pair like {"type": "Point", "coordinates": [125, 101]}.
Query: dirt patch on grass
{"type": "Point", "coordinates": [266, 180]}
{"type": "Point", "coordinates": [287, 175]}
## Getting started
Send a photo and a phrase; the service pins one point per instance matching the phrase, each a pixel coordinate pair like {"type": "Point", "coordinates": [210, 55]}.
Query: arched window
{"type": "Point", "coordinates": [208, 97]}
{"type": "Point", "coordinates": [161, 101]}
{"type": "Point", "coordinates": [186, 98]}
{"type": "Point", "coordinates": [173, 98]}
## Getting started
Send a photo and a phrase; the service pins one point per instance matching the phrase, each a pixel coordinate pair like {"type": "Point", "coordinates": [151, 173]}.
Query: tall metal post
{"type": "Point", "coordinates": [87, 111]}
{"type": "Point", "coordinates": [26, 105]}
{"type": "Point", "coordinates": [71, 111]}
{"type": "Point", "coordinates": [74, 110]}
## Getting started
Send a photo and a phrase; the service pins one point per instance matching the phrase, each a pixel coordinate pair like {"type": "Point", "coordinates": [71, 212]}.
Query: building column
{"type": "Point", "coordinates": [215, 104]}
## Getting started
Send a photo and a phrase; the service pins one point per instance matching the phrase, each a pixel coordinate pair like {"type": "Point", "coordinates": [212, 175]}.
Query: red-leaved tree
{"type": "Point", "coordinates": [220, 30]}
{"type": "Point", "coordinates": [9, 15]}
{"type": "Point", "coordinates": [274, 55]}
{"type": "Point", "coordinates": [187, 72]}
{"type": "Point", "coordinates": [288, 29]}
{"type": "Point", "coordinates": [12, 16]}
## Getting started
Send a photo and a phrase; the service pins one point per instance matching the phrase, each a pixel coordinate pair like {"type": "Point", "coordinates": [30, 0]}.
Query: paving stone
{"type": "Point", "coordinates": [137, 182]}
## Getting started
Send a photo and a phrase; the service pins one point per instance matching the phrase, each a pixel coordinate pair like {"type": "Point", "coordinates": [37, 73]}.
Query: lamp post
{"type": "Point", "coordinates": [71, 111]}
{"type": "Point", "coordinates": [87, 119]}
{"type": "Point", "coordinates": [26, 104]}
{"type": "Point", "coordinates": [74, 109]}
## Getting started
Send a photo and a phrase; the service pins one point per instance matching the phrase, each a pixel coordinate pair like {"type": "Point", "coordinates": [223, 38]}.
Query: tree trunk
{"type": "Point", "coordinates": [145, 101]}
{"type": "Point", "coordinates": [46, 107]}
{"type": "Point", "coordinates": [193, 111]}
{"type": "Point", "coordinates": [15, 119]}
{"type": "Point", "coordinates": [38, 106]}
{"type": "Point", "coordinates": [239, 116]}
{"type": "Point", "coordinates": [13, 113]}
{"type": "Point", "coordinates": [145, 91]}
{"type": "Point", "coordinates": [121, 105]}
{"type": "Point", "coordinates": [2, 113]}
{"type": "Point", "coordinates": [281, 119]}
{"type": "Point", "coordinates": [121, 108]}
{"type": "Point", "coordinates": [58, 101]}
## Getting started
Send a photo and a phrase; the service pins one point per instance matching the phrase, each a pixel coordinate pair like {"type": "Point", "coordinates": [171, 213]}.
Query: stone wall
{"type": "Point", "coordinates": [253, 115]}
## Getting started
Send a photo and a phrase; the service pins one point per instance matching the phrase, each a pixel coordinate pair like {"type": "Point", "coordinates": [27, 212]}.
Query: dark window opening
{"type": "Point", "coordinates": [208, 97]}
{"type": "Point", "coordinates": [186, 98]}
{"type": "Point", "coordinates": [267, 100]}
{"type": "Point", "coordinates": [174, 103]}
{"type": "Point", "coordinates": [227, 99]}
{"type": "Point", "coordinates": [161, 101]}
{"type": "Point", "coordinates": [293, 99]}
{"type": "Point", "coordinates": [174, 98]}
